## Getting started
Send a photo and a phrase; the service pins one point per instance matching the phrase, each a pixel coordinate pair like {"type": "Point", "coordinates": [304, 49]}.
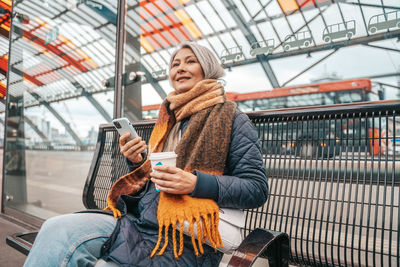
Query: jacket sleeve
{"type": "Point", "coordinates": [244, 184]}
{"type": "Point", "coordinates": [132, 166]}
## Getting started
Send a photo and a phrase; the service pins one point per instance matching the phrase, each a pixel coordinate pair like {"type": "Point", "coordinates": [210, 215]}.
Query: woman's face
{"type": "Point", "coordinates": [185, 70]}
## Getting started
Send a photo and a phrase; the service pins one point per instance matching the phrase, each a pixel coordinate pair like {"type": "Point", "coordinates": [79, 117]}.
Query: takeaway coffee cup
{"type": "Point", "coordinates": [163, 158]}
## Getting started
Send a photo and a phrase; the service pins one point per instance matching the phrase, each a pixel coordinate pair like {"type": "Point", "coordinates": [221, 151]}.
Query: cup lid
{"type": "Point", "coordinates": [162, 155]}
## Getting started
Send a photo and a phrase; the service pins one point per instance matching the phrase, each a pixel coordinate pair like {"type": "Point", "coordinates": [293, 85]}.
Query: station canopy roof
{"type": "Point", "coordinates": [69, 46]}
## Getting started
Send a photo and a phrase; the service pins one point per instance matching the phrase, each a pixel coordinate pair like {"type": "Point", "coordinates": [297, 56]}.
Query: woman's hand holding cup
{"type": "Point", "coordinates": [132, 149]}
{"type": "Point", "coordinates": [173, 180]}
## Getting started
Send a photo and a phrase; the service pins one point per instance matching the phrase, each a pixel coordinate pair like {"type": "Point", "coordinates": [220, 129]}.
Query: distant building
{"type": "Point", "coordinates": [54, 134]}
{"type": "Point", "coordinates": [91, 138]}
{"type": "Point", "coordinates": [45, 127]}
{"type": "Point", "coordinates": [326, 77]}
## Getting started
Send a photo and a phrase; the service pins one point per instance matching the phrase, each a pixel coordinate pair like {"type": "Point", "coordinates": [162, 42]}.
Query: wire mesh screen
{"type": "Point", "coordinates": [334, 185]}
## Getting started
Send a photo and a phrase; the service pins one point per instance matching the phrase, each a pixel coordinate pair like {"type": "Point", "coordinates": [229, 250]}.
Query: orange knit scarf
{"type": "Point", "coordinates": [204, 147]}
{"type": "Point", "coordinates": [204, 94]}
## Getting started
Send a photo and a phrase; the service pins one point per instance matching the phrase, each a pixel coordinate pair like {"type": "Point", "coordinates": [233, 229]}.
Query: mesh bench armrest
{"type": "Point", "coordinates": [260, 242]}
{"type": "Point", "coordinates": [22, 241]}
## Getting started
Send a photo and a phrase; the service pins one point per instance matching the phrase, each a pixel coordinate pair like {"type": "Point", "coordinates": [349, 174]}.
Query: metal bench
{"type": "Point", "coordinates": [108, 164]}
{"type": "Point", "coordinates": [334, 176]}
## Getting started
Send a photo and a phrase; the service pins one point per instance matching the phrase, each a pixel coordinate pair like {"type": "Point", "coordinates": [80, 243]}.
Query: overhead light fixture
{"type": "Point", "coordinates": [23, 18]}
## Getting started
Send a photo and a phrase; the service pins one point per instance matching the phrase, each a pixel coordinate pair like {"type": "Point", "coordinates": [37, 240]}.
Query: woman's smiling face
{"type": "Point", "coordinates": [185, 71]}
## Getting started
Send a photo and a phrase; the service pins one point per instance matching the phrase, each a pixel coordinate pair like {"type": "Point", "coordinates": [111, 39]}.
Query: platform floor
{"type": "Point", "coordinates": [9, 257]}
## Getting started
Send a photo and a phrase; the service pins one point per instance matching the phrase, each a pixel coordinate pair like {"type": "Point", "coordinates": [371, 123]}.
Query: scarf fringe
{"type": "Point", "coordinates": [116, 212]}
{"type": "Point", "coordinates": [207, 228]}
{"type": "Point", "coordinates": [126, 185]}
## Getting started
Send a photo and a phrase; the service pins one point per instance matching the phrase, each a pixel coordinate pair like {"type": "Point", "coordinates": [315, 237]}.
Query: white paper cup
{"type": "Point", "coordinates": [163, 158]}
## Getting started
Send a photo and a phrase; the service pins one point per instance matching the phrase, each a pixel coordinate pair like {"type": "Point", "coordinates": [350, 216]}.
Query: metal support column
{"type": "Point", "coordinates": [119, 55]}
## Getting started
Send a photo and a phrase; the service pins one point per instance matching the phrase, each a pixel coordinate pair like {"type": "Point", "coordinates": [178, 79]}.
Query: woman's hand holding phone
{"type": "Point", "coordinates": [132, 149]}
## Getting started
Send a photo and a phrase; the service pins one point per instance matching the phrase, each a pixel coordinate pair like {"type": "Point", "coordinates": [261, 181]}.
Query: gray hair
{"type": "Point", "coordinates": [212, 69]}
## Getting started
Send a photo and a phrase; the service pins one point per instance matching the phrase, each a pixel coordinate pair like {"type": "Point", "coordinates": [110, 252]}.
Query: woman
{"type": "Point", "coordinates": [219, 164]}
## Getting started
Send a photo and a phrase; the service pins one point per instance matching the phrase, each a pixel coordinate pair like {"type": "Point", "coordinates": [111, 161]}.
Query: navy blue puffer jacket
{"type": "Point", "coordinates": [243, 185]}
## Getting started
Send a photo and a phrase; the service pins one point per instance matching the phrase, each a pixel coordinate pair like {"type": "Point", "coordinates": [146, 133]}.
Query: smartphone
{"type": "Point", "coordinates": [124, 126]}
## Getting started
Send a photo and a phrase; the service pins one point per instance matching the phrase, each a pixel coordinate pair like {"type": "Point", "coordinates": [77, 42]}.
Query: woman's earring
{"type": "Point", "coordinates": [222, 82]}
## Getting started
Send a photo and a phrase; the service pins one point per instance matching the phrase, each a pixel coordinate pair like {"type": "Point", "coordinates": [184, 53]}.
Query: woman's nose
{"type": "Point", "coordinates": [180, 69]}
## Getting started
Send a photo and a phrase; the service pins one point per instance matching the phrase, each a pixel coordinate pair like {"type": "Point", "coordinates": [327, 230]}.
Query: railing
{"type": "Point", "coordinates": [60, 147]}
{"type": "Point", "coordinates": [334, 175]}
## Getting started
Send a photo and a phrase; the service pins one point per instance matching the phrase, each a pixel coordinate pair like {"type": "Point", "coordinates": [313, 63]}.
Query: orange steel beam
{"type": "Point", "coordinates": [32, 79]}
{"type": "Point", "coordinates": [173, 23]}
{"type": "Point", "coordinates": [291, 6]}
{"type": "Point", "coordinates": [185, 24]}
{"type": "Point", "coordinates": [67, 42]}
{"type": "Point", "coordinates": [152, 35]}
{"type": "Point", "coordinates": [4, 22]}
{"type": "Point", "coordinates": [156, 29]}
{"type": "Point", "coordinates": [4, 63]}
{"type": "Point", "coordinates": [6, 4]}
{"type": "Point", "coordinates": [174, 8]}
{"type": "Point", "coordinates": [27, 77]}
{"type": "Point", "coordinates": [55, 50]}
{"type": "Point", "coordinates": [146, 45]}
{"type": "Point", "coordinates": [4, 18]}
{"type": "Point", "coordinates": [5, 28]}
{"type": "Point", "coordinates": [2, 90]}
{"type": "Point", "coordinates": [5, 31]}
{"type": "Point", "coordinates": [188, 23]}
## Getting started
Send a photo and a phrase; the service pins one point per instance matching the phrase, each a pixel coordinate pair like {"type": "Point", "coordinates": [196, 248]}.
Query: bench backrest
{"type": "Point", "coordinates": [334, 177]}
{"type": "Point", "coordinates": [108, 163]}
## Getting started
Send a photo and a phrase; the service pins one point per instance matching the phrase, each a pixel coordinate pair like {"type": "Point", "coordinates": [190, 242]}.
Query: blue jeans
{"type": "Point", "coordinates": [71, 240]}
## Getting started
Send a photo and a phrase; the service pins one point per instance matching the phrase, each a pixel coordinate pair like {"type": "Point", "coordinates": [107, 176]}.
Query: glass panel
{"type": "Point", "coordinates": [61, 56]}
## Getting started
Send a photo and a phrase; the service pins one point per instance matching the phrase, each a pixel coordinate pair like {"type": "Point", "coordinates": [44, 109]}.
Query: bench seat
{"type": "Point", "coordinates": [22, 241]}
